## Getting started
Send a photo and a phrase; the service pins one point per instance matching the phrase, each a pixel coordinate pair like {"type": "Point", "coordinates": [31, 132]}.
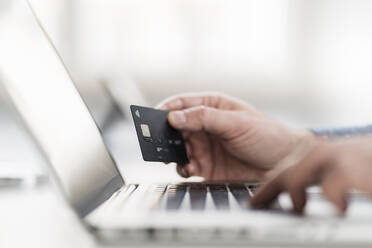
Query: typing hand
{"type": "Point", "coordinates": [229, 139]}
{"type": "Point", "coordinates": [338, 165]}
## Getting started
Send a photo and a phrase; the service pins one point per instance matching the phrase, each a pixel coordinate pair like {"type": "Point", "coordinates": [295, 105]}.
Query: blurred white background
{"type": "Point", "coordinates": [304, 62]}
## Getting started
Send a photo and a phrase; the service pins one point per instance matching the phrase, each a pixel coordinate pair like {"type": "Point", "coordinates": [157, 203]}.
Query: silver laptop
{"type": "Point", "coordinates": [87, 177]}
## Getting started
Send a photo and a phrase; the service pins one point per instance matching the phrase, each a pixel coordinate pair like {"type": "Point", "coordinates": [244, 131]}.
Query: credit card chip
{"type": "Point", "coordinates": [145, 130]}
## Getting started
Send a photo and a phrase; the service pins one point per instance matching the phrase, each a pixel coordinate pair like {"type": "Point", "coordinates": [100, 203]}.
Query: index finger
{"type": "Point", "coordinates": [213, 100]}
{"type": "Point", "coordinates": [267, 193]}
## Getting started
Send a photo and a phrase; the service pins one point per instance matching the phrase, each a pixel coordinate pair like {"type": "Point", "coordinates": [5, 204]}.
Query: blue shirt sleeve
{"type": "Point", "coordinates": [343, 132]}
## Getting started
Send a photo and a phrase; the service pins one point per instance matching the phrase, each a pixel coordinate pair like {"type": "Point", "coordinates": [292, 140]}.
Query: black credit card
{"type": "Point", "coordinates": [158, 140]}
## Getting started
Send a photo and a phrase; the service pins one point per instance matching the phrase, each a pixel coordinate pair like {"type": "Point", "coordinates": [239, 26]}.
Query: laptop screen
{"type": "Point", "coordinates": [43, 93]}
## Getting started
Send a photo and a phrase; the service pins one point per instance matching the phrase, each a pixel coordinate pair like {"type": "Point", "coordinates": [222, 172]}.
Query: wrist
{"type": "Point", "coordinates": [304, 141]}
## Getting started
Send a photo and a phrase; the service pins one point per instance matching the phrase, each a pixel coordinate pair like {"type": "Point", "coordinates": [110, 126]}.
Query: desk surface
{"type": "Point", "coordinates": [36, 217]}
{"type": "Point", "coordinates": [33, 216]}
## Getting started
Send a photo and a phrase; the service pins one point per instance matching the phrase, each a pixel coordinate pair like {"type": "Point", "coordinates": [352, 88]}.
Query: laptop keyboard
{"type": "Point", "coordinates": [198, 195]}
{"type": "Point", "coordinates": [175, 195]}
{"type": "Point", "coordinates": [241, 193]}
{"type": "Point", "coordinates": [221, 196]}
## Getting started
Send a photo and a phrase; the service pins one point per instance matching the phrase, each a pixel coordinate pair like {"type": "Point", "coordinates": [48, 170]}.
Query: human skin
{"type": "Point", "coordinates": [228, 139]}
{"type": "Point", "coordinates": [337, 165]}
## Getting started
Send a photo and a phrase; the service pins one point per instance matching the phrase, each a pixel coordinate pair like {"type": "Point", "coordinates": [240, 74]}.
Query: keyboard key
{"type": "Point", "coordinates": [220, 196]}
{"type": "Point", "coordinates": [175, 195]}
{"type": "Point", "coordinates": [241, 194]}
{"type": "Point", "coordinates": [154, 196]}
{"type": "Point", "coordinates": [198, 196]}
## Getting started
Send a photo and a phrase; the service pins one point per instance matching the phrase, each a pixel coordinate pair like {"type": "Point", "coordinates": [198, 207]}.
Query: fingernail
{"type": "Point", "coordinates": [177, 117]}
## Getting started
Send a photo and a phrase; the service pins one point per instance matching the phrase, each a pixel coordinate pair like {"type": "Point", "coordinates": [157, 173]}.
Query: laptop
{"type": "Point", "coordinates": [87, 177]}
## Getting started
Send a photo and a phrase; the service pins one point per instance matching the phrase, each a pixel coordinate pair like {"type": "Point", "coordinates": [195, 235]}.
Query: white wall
{"type": "Point", "coordinates": [304, 61]}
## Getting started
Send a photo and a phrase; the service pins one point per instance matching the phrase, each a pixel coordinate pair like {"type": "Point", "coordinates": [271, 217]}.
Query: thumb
{"type": "Point", "coordinates": [202, 118]}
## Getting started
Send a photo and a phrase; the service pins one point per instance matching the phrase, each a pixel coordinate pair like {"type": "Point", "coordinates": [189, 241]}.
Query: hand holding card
{"type": "Point", "coordinates": [159, 141]}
